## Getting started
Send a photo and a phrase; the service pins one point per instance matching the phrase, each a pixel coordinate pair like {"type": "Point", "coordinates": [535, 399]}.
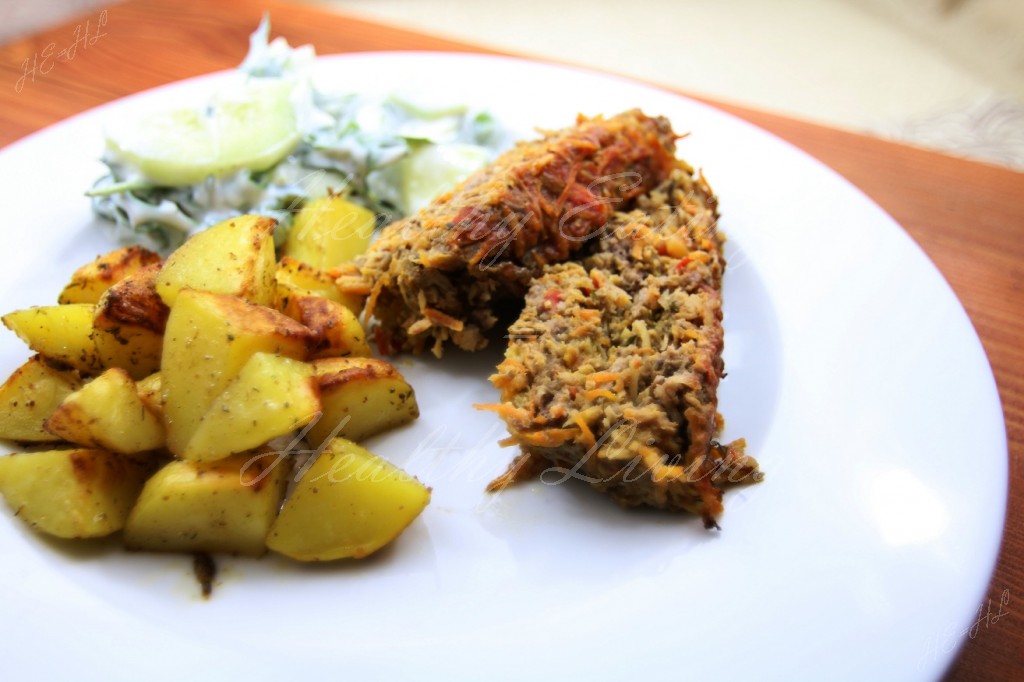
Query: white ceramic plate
{"type": "Point", "coordinates": [853, 372]}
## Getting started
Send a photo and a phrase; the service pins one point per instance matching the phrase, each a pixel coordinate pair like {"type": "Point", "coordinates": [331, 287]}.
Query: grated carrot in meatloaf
{"type": "Point", "coordinates": [438, 276]}
{"type": "Point", "coordinates": [624, 395]}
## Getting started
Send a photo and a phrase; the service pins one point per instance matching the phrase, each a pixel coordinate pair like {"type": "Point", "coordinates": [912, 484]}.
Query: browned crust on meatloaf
{"type": "Point", "coordinates": [438, 275]}
{"type": "Point", "coordinates": [612, 369]}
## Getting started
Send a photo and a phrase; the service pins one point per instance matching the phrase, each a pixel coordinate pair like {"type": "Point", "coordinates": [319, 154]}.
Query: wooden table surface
{"type": "Point", "coordinates": [968, 217]}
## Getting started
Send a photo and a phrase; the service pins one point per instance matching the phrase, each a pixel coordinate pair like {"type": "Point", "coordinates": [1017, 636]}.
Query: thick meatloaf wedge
{"type": "Point", "coordinates": [612, 369]}
{"type": "Point", "coordinates": [438, 275]}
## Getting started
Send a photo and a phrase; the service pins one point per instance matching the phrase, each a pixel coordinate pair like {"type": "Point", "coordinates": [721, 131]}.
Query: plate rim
{"type": "Point", "coordinates": [33, 137]}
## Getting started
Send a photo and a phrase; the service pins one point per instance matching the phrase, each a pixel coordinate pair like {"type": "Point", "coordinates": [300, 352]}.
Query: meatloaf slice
{"type": "Point", "coordinates": [612, 369]}
{"type": "Point", "coordinates": [438, 275]}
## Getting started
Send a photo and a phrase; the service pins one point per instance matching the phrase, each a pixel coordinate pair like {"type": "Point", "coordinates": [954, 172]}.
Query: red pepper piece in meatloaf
{"type": "Point", "coordinates": [438, 275]}
{"type": "Point", "coordinates": [612, 369]}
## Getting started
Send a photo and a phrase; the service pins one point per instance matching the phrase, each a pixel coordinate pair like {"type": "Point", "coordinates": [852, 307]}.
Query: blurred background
{"type": "Point", "coordinates": [941, 74]}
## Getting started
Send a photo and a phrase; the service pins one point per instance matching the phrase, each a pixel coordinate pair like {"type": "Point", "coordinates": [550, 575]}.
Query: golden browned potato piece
{"type": "Point", "coordinates": [361, 397]}
{"type": "Point", "coordinates": [233, 257]}
{"type": "Point", "coordinates": [208, 340]}
{"type": "Point", "coordinates": [271, 396]}
{"type": "Point", "coordinates": [29, 397]}
{"type": "Point", "coordinates": [349, 503]}
{"type": "Point", "coordinates": [72, 493]}
{"type": "Point", "coordinates": [329, 231]}
{"type": "Point", "coordinates": [337, 332]}
{"type": "Point", "coordinates": [108, 414]}
{"type": "Point", "coordinates": [151, 394]}
{"type": "Point", "coordinates": [91, 280]}
{"type": "Point", "coordinates": [223, 506]}
{"type": "Point", "coordinates": [129, 324]}
{"type": "Point", "coordinates": [60, 333]}
{"type": "Point", "coordinates": [295, 278]}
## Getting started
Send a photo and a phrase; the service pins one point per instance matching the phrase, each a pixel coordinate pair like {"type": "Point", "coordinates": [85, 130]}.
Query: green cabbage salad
{"type": "Point", "coordinates": [274, 141]}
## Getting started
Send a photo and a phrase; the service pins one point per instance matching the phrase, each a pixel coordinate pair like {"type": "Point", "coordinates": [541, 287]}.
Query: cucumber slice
{"type": "Point", "coordinates": [252, 128]}
{"type": "Point", "coordinates": [433, 169]}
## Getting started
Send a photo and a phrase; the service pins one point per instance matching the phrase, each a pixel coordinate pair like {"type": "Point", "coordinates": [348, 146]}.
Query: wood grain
{"type": "Point", "coordinates": [968, 217]}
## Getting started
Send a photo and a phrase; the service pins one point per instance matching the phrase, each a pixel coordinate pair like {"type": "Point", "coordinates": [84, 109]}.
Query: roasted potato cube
{"type": "Point", "coordinates": [270, 397]}
{"type": "Point", "coordinates": [209, 338]}
{"type": "Point", "coordinates": [349, 503]}
{"type": "Point", "coordinates": [29, 397]}
{"type": "Point", "coordinates": [151, 394]}
{"type": "Point", "coordinates": [224, 506]}
{"type": "Point", "coordinates": [61, 333]}
{"type": "Point", "coordinates": [361, 397]}
{"type": "Point", "coordinates": [337, 332]}
{"type": "Point", "coordinates": [129, 324]}
{"type": "Point", "coordinates": [329, 231]}
{"type": "Point", "coordinates": [108, 414]}
{"type": "Point", "coordinates": [72, 493]}
{"type": "Point", "coordinates": [233, 257]}
{"type": "Point", "coordinates": [91, 280]}
{"type": "Point", "coordinates": [295, 278]}
{"type": "Point", "coordinates": [136, 350]}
